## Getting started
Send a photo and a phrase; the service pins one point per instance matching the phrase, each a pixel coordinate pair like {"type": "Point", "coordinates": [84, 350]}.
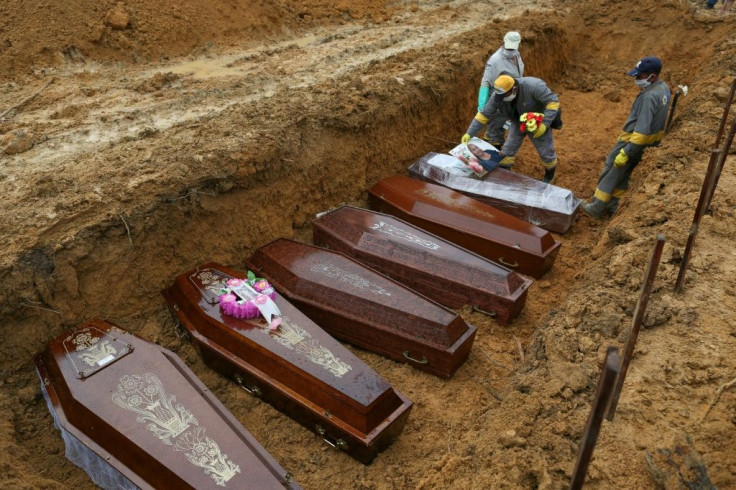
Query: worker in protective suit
{"type": "Point", "coordinates": [505, 61]}
{"type": "Point", "coordinates": [513, 97]}
{"type": "Point", "coordinates": [643, 128]}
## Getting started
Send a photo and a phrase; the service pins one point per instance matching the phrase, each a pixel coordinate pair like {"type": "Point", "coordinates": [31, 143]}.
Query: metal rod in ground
{"type": "Point", "coordinates": [672, 109]}
{"type": "Point", "coordinates": [593, 427]}
{"type": "Point", "coordinates": [699, 211]}
{"type": "Point", "coordinates": [726, 110]}
{"type": "Point", "coordinates": [641, 309]}
{"type": "Point", "coordinates": [721, 162]}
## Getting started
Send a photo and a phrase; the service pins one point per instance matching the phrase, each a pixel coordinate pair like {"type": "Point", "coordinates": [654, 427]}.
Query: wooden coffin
{"type": "Point", "coordinates": [428, 264]}
{"type": "Point", "coordinates": [545, 205]}
{"type": "Point", "coordinates": [299, 368]}
{"type": "Point", "coordinates": [358, 305]}
{"type": "Point", "coordinates": [480, 228]}
{"type": "Point", "coordinates": [134, 416]}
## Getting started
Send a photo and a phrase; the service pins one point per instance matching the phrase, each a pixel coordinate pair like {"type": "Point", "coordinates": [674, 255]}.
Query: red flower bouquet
{"type": "Point", "coordinates": [530, 121]}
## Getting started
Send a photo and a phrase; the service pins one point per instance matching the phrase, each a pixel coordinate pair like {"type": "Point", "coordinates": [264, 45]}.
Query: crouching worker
{"type": "Point", "coordinates": [513, 97]}
{"type": "Point", "coordinates": [643, 128]}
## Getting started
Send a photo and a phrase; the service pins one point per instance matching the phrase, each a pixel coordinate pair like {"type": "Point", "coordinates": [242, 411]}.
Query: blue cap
{"type": "Point", "coordinates": [650, 64]}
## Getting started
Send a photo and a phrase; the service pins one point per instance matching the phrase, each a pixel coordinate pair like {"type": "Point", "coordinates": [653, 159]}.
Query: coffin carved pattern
{"type": "Point", "coordinates": [173, 424]}
{"type": "Point", "coordinates": [404, 235]}
{"type": "Point", "coordinates": [292, 336]}
{"type": "Point", "coordinates": [350, 278]}
{"type": "Point", "coordinates": [90, 349]}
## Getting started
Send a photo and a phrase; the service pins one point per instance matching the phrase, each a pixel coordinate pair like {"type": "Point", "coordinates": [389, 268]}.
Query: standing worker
{"type": "Point", "coordinates": [643, 128]}
{"type": "Point", "coordinates": [511, 98]}
{"type": "Point", "coordinates": [505, 61]}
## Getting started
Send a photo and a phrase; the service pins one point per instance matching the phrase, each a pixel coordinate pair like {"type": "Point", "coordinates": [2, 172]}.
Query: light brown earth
{"type": "Point", "coordinates": [142, 138]}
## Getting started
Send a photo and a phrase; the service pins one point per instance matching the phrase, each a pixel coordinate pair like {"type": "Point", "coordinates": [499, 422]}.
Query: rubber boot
{"type": "Point", "coordinates": [549, 175]}
{"type": "Point", "coordinates": [595, 208]}
{"type": "Point", "coordinates": [613, 205]}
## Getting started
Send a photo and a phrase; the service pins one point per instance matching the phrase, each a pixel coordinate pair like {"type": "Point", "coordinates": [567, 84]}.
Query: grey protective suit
{"type": "Point", "coordinates": [643, 128]}
{"type": "Point", "coordinates": [533, 96]}
{"type": "Point", "coordinates": [502, 62]}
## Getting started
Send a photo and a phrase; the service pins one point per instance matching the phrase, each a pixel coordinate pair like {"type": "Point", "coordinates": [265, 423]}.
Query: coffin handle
{"type": "Point", "coordinates": [338, 443]}
{"type": "Point", "coordinates": [423, 360]}
{"type": "Point", "coordinates": [513, 265]}
{"type": "Point", "coordinates": [492, 314]}
{"type": "Point", "coordinates": [179, 330]}
{"type": "Point", "coordinates": [254, 390]}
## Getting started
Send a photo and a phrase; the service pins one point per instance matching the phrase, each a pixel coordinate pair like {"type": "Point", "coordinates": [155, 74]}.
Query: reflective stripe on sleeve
{"type": "Point", "coordinates": [481, 118]}
{"type": "Point", "coordinates": [624, 136]}
{"type": "Point", "coordinates": [646, 139]}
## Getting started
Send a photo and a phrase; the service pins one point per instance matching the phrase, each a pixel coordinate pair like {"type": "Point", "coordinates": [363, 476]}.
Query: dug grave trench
{"type": "Point", "coordinates": [116, 268]}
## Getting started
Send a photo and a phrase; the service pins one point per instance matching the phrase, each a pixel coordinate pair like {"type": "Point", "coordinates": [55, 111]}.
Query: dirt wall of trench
{"type": "Point", "coordinates": [247, 197]}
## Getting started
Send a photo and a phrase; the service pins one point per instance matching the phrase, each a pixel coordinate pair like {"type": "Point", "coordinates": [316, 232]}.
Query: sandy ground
{"type": "Point", "coordinates": [142, 139]}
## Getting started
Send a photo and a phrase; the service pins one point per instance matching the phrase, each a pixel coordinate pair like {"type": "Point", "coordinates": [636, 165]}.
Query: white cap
{"type": "Point", "coordinates": [511, 40]}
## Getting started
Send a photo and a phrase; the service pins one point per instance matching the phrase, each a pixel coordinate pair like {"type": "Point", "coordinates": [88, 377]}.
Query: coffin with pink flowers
{"type": "Point", "coordinates": [284, 358]}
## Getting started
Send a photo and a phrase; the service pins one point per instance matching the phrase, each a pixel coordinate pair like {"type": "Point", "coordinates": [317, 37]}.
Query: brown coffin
{"type": "Point", "coordinates": [134, 416]}
{"type": "Point", "coordinates": [428, 264]}
{"type": "Point", "coordinates": [545, 205]}
{"type": "Point", "coordinates": [355, 304]}
{"type": "Point", "coordinates": [467, 222]}
{"type": "Point", "coordinates": [299, 369]}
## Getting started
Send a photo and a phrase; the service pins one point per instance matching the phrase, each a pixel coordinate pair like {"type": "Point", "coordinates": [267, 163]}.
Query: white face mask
{"type": "Point", "coordinates": [643, 83]}
{"type": "Point", "coordinates": [509, 98]}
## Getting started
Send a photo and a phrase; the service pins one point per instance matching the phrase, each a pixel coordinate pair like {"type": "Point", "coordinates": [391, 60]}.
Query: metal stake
{"type": "Point", "coordinates": [590, 436]}
{"type": "Point", "coordinates": [681, 90]}
{"type": "Point", "coordinates": [641, 308]}
{"type": "Point", "coordinates": [721, 162]}
{"type": "Point", "coordinates": [726, 110]}
{"type": "Point", "coordinates": [699, 211]}
{"type": "Point", "coordinates": [715, 166]}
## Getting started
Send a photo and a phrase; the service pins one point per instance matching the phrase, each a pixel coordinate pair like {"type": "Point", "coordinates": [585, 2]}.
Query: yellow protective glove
{"type": "Point", "coordinates": [621, 159]}
{"type": "Point", "coordinates": [464, 140]}
{"type": "Point", "coordinates": [540, 130]}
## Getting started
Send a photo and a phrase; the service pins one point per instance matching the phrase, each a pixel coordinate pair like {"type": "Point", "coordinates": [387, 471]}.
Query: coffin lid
{"type": "Point", "coordinates": [138, 407]}
{"type": "Point", "coordinates": [298, 344]}
{"type": "Point", "coordinates": [341, 283]}
{"type": "Point", "coordinates": [366, 229]}
{"type": "Point", "coordinates": [442, 205]}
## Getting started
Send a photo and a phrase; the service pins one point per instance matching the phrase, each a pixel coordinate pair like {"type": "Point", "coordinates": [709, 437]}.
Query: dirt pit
{"type": "Point", "coordinates": [145, 140]}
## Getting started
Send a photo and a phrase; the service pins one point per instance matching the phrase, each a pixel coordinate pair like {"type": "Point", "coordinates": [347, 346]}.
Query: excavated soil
{"type": "Point", "coordinates": [143, 138]}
